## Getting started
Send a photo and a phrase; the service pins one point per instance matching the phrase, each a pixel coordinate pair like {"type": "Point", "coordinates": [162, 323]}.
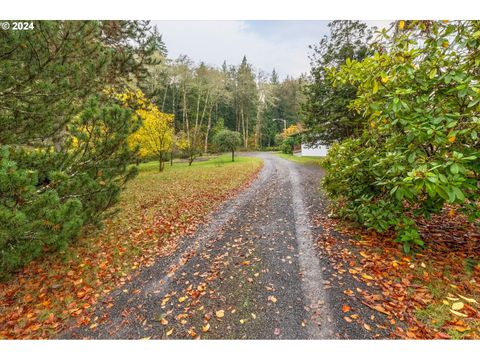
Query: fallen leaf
{"type": "Point", "coordinates": [182, 299]}
{"type": "Point", "coordinates": [169, 332]}
{"type": "Point", "coordinates": [469, 300]}
{"type": "Point", "coordinates": [457, 305]}
{"type": "Point", "coordinates": [220, 313]}
{"type": "Point", "coordinates": [346, 308]}
{"type": "Point", "coordinates": [461, 328]}
{"type": "Point", "coordinates": [272, 298]}
{"type": "Point", "coordinates": [457, 313]}
{"type": "Point", "coordinates": [206, 327]}
{"type": "Point", "coordinates": [379, 308]}
{"type": "Point", "coordinates": [192, 332]}
{"type": "Point", "coordinates": [367, 327]}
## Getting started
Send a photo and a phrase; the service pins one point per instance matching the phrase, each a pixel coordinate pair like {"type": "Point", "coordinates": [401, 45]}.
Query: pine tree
{"type": "Point", "coordinates": [63, 143]}
{"type": "Point", "coordinates": [327, 115]}
{"type": "Point", "coordinates": [274, 77]}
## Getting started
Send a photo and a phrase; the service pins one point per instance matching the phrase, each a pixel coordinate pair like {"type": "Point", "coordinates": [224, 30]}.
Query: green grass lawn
{"type": "Point", "coordinates": [311, 160]}
{"type": "Point", "coordinates": [203, 162]}
{"type": "Point", "coordinates": [154, 210]}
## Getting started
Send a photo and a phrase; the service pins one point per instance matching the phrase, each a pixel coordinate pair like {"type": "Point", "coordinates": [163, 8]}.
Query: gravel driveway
{"type": "Point", "coordinates": [250, 273]}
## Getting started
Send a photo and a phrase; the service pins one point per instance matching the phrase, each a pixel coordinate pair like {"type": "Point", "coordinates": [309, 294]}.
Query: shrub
{"type": "Point", "coordinates": [421, 101]}
{"type": "Point", "coordinates": [289, 143]}
{"type": "Point", "coordinates": [272, 148]}
{"type": "Point", "coordinates": [47, 196]}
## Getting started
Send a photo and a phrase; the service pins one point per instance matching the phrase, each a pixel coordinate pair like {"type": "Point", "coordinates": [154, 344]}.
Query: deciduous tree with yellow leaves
{"type": "Point", "coordinates": [155, 137]}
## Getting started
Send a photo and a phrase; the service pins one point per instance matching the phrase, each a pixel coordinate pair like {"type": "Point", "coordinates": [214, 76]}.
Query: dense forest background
{"type": "Point", "coordinates": [204, 98]}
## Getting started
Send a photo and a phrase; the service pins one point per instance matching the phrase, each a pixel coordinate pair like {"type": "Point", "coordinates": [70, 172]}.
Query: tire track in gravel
{"type": "Point", "coordinates": [249, 273]}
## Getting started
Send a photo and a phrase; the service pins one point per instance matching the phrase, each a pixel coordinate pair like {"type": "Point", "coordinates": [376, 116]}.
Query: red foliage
{"type": "Point", "coordinates": [417, 293]}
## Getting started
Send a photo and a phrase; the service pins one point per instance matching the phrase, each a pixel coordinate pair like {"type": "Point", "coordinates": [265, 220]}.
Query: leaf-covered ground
{"type": "Point", "coordinates": [155, 209]}
{"type": "Point", "coordinates": [430, 295]}
{"type": "Point", "coordinates": [250, 272]}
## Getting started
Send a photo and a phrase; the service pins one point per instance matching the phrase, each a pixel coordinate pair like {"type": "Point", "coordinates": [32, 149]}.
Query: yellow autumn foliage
{"type": "Point", "coordinates": [155, 136]}
{"type": "Point", "coordinates": [291, 130]}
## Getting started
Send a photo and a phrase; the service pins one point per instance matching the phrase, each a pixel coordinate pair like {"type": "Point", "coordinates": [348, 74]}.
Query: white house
{"type": "Point", "coordinates": [314, 150]}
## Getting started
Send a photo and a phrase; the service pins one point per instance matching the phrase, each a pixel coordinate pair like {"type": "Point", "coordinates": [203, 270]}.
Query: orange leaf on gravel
{"type": "Point", "coordinates": [192, 332]}
{"type": "Point", "coordinates": [272, 299]}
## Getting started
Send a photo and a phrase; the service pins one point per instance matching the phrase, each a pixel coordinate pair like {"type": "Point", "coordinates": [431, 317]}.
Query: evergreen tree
{"type": "Point", "coordinates": [327, 116]}
{"type": "Point", "coordinates": [274, 77]}
{"type": "Point", "coordinates": [63, 142]}
{"type": "Point", "coordinates": [246, 99]}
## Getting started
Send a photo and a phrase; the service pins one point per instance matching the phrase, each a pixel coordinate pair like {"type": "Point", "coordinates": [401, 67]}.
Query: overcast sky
{"type": "Point", "coordinates": [282, 45]}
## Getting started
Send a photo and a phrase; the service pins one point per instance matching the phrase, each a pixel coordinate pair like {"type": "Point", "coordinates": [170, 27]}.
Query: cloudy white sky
{"type": "Point", "coordinates": [282, 45]}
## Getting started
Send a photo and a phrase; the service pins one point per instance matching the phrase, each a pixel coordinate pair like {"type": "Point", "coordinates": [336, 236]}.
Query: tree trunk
{"type": "Point", "coordinates": [185, 116]}
{"type": "Point", "coordinates": [246, 134]}
{"type": "Point", "coordinates": [160, 162]}
{"type": "Point", "coordinates": [209, 125]}
{"type": "Point", "coordinates": [205, 107]}
{"type": "Point", "coordinates": [173, 101]}
{"type": "Point", "coordinates": [196, 115]}
{"type": "Point", "coordinates": [243, 127]}
{"type": "Point", "coordinates": [164, 97]}
{"type": "Point", "coordinates": [233, 155]}
{"type": "Point", "coordinates": [258, 129]}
